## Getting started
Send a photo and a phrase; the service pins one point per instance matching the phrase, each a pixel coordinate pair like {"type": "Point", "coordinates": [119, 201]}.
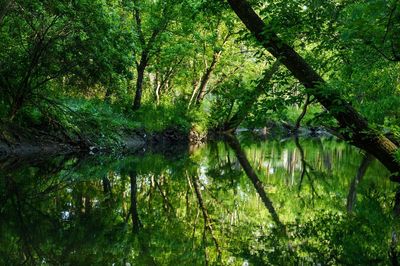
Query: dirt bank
{"type": "Point", "coordinates": [132, 142]}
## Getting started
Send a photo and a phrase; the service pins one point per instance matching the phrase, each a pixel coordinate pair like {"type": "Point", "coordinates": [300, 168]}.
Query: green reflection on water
{"type": "Point", "coordinates": [198, 207]}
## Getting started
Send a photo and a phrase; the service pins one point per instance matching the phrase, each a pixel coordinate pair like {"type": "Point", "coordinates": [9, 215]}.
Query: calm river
{"type": "Point", "coordinates": [310, 201]}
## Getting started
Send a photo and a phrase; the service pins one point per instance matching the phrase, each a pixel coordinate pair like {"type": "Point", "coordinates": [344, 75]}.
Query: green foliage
{"type": "Point", "coordinates": [47, 44]}
{"type": "Point", "coordinates": [328, 238]}
{"type": "Point", "coordinates": [98, 122]}
{"type": "Point", "coordinates": [165, 116]}
{"type": "Point", "coordinates": [85, 50]}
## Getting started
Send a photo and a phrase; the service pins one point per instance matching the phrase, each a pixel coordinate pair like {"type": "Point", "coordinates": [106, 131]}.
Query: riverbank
{"type": "Point", "coordinates": [15, 143]}
{"type": "Point", "coordinates": [129, 142]}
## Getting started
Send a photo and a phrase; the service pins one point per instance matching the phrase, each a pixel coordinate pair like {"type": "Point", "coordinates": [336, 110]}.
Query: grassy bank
{"type": "Point", "coordinates": [88, 123]}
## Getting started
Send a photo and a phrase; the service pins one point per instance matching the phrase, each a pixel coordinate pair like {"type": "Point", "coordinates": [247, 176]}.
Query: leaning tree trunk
{"type": "Point", "coordinates": [359, 133]}
{"type": "Point", "coordinates": [206, 78]}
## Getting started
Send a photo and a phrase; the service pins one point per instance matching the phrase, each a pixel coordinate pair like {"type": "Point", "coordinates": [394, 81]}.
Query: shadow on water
{"type": "Point", "coordinates": [234, 202]}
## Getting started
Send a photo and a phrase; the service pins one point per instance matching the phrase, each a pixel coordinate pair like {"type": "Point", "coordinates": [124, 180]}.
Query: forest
{"type": "Point", "coordinates": [261, 132]}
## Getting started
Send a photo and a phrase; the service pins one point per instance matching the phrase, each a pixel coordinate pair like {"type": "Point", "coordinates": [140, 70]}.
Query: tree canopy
{"type": "Point", "coordinates": [193, 64]}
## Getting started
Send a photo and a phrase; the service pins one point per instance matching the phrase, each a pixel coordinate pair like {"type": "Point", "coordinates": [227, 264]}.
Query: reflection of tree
{"type": "Point", "coordinates": [306, 168]}
{"type": "Point", "coordinates": [167, 203]}
{"type": "Point", "coordinates": [136, 224]}
{"type": "Point", "coordinates": [207, 220]}
{"type": "Point", "coordinates": [152, 210]}
{"type": "Point", "coordinates": [326, 157]}
{"type": "Point", "coordinates": [26, 239]}
{"type": "Point", "coordinates": [137, 227]}
{"type": "Point", "coordinates": [23, 219]}
{"type": "Point", "coordinates": [362, 169]}
{"type": "Point", "coordinates": [244, 162]}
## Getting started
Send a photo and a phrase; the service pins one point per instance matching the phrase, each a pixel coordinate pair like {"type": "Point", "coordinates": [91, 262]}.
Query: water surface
{"type": "Point", "coordinates": [328, 203]}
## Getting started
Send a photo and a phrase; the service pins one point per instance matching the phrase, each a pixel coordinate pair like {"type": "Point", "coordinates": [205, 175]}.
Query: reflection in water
{"type": "Point", "coordinates": [207, 220]}
{"type": "Point", "coordinates": [244, 162]}
{"type": "Point", "coordinates": [351, 198]}
{"type": "Point", "coordinates": [200, 208]}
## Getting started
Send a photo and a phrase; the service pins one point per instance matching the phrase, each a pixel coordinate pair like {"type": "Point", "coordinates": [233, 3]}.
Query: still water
{"type": "Point", "coordinates": [310, 201]}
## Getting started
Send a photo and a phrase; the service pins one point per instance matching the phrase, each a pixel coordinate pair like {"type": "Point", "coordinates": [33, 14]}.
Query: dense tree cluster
{"type": "Point", "coordinates": [193, 64]}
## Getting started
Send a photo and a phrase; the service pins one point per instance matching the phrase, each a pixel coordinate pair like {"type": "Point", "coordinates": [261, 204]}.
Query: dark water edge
{"type": "Point", "coordinates": [136, 142]}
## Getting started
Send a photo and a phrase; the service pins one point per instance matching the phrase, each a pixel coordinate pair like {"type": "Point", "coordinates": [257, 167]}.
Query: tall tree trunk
{"type": "Point", "coordinates": [195, 81]}
{"type": "Point", "coordinates": [202, 89]}
{"type": "Point", "coordinates": [359, 133]}
{"type": "Point", "coordinates": [139, 82]}
{"type": "Point", "coordinates": [158, 93]}
{"type": "Point", "coordinates": [206, 77]}
{"type": "Point", "coordinates": [163, 82]}
{"type": "Point", "coordinates": [106, 186]}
